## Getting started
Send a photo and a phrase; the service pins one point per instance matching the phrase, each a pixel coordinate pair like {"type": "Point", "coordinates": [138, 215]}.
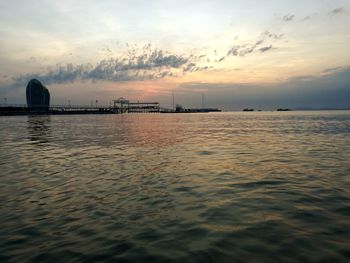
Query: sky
{"type": "Point", "coordinates": [235, 53]}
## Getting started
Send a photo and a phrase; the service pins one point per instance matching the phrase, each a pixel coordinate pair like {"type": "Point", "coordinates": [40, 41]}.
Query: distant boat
{"type": "Point", "coordinates": [281, 109]}
{"type": "Point", "coordinates": [248, 109]}
{"type": "Point", "coordinates": [203, 110]}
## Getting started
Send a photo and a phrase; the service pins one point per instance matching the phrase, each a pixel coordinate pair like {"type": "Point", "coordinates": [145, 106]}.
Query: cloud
{"type": "Point", "coordinates": [335, 69]}
{"type": "Point", "coordinates": [264, 49]}
{"type": "Point", "coordinates": [221, 59]}
{"type": "Point", "coordinates": [272, 35]}
{"type": "Point", "coordinates": [242, 50]}
{"type": "Point", "coordinates": [144, 64]}
{"type": "Point", "coordinates": [331, 90]}
{"type": "Point", "coordinates": [337, 11]}
{"type": "Point", "coordinates": [306, 18]}
{"type": "Point", "coordinates": [138, 64]}
{"type": "Point", "coordinates": [309, 17]}
{"type": "Point", "coordinates": [248, 48]}
{"type": "Point", "coordinates": [288, 18]}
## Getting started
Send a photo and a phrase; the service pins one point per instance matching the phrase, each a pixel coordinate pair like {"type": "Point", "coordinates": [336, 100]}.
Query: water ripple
{"type": "Point", "coordinates": [223, 187]}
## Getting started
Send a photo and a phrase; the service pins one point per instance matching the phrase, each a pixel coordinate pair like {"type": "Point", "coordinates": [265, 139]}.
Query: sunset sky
{"type": "Point", "coordinates": [238, 53]}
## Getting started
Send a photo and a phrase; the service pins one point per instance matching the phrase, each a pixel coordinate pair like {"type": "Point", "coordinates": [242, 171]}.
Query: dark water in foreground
{"type": "Point", "coordinates": [224, 187]}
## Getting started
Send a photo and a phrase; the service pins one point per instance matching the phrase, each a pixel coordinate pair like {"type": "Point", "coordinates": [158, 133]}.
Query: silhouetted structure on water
{"type": "Point", "coordinates": [38, 96]}
{"type": "Point", "coordinates": [180, 109]}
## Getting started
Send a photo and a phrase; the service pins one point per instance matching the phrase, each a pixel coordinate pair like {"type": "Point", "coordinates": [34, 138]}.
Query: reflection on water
{"type": "Point", "coordinates": [223, 187]}
{"type": "Point", "coordinates": [39, 128]}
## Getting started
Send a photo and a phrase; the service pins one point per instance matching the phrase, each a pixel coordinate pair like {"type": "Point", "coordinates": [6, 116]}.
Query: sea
{"type": "Point", "coordinates": [205, 187]}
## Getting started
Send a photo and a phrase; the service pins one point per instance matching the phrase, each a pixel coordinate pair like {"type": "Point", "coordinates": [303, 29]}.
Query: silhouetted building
{"type": "Point", "coordinates": [179, 108]}
{"type": "Point", "coordinates": [38, 95]}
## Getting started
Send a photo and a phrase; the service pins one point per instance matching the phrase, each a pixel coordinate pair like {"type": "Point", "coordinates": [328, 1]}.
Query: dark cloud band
{"type": "Point", "coordinates": [136, 65]}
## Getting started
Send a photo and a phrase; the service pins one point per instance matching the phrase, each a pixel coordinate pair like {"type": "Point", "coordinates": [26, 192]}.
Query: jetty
{"type": "Point", "coordinates": [131, 107]}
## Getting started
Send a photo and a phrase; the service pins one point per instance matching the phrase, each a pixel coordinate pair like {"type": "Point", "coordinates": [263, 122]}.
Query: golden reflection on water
{"type": "Point", "coordinates": [153, 130]}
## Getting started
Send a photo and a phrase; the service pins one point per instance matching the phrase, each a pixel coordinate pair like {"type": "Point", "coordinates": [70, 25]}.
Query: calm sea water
{"type": "Point", "coordinates": [223, 187]}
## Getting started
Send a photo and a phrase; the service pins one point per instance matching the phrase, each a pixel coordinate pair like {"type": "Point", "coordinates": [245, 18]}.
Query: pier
{"type": "Point", "coordinates": [130, 107]}
{"type": "Point", "coordinates": [125, 106]}
{"type": "Point", "coordinates": [119, 106]}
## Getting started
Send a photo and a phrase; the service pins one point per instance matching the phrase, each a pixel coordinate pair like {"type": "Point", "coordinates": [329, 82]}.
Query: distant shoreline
{"type": "Point", "coordinates": [4, 111]}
